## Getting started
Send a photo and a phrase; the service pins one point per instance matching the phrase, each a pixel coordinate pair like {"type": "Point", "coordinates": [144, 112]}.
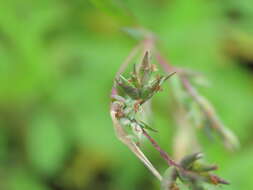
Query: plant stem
{"type": "Point", "coordinates": [164, 155]}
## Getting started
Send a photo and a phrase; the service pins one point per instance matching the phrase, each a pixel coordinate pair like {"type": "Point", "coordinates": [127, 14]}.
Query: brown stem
{"type": "Point", "coordinates": [164, 155]}
{"type": "Point", "coordinates": [170, 161]}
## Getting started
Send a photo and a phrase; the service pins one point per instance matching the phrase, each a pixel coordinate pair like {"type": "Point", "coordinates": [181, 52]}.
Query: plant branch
{"type": "Point", "coordinates": [164, 155]}
{"type": "Point", "coordinates": [119, 130]}
{"type": "Point", "coordinates": [228, 137]}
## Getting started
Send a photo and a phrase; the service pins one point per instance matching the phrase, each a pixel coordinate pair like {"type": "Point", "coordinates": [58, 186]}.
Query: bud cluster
{"type": "Point", "coordinates": [135, 91]}
{"type": "Point", "coordinates": [192, 173]}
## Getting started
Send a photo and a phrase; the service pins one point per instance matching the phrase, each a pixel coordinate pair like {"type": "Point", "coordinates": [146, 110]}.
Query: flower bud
{"type": "Point", "coordinates": [128, 87]}
{"type": "Point", "coordinates": [188, 161]}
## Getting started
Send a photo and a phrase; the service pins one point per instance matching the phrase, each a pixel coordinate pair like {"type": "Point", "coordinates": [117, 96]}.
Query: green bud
{"type": "Point", "coordinates": [149, 90]}
{"type": "Point", "coordinates": [145, 70]}
{"type": "Point", "coordinates": [154, 86]}
{"type": "Point", "coordinates": [134, 78]}
{"type": "Point", "coordinates": [188, 161]}
{"type": "Point", "coordinates": [127, 87]}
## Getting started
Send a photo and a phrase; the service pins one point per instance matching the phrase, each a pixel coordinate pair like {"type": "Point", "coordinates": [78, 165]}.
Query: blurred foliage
{"type": "Point", "coordinates": [57, 63]}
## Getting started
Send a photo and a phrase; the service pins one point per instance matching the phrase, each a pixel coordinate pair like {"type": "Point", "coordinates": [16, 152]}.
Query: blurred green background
{"type": "Point", "coordinates": [57, 63]}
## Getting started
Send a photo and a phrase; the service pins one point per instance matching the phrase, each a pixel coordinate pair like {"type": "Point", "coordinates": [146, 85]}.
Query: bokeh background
{"type": "Point", "coordinates": [57, 63]}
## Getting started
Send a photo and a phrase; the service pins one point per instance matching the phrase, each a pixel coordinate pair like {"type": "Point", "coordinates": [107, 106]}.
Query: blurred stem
{"type": "Point", "coordinates": [230, 141]}
{"type": "Point", "coordinates": [210, 114]}
{"type": "Point", "coordinates": [127, 61]}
